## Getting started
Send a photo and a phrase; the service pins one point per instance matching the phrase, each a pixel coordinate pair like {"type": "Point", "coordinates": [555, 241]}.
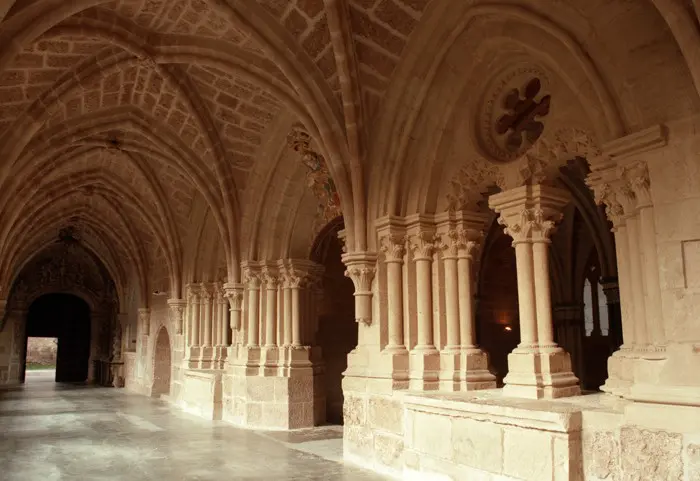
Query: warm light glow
{"type": "Point", "coordinates": [508, 328]}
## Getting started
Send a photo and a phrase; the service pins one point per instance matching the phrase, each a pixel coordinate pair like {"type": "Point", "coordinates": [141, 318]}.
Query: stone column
{"type": "Point", "coordinates": [424, 358]}
{"type": "Point", "coordinates": [253, 282]}
{"type": "Point", "coordinates": [287, 302]}
{"type": "Point", "coordinates": [223, 325]}
{"type": "Point", "coordinates": [608, 190]}
{"type": "Point", "coordinates": [474, 362]}
{"type": "Point", "coordinates": [206, 296]}
{"type": "Point", "coordinates": [394, 249]}
{"type": "Point", "coordinates": [638, 177]}
{"type": "Point", "coordinates": [271, 281]}
{"type": "Point", "coordinates": [295, 281]}
{"type": "Point", "coordinates": [538, 368]}
{"type": "Point", "coordinates": [177, 310]}
{"type": "Point", "coordinates": [194, 319]}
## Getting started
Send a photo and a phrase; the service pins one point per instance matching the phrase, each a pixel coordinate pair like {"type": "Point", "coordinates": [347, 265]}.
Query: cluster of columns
{"type": "Point", "coordinates": [419, 254]}
{"type": "Point", "coordinates": [206, 325]}
{"type": "Point", "coordinates": [280, 311]}
{"type": "Point", "coordinates": [625, 190]}
{"type": "Point", "coordinates": [538, 367]}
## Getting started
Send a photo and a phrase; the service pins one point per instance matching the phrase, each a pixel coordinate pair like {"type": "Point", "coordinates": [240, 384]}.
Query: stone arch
{"type": "Point", "coordinates": [162, 364]}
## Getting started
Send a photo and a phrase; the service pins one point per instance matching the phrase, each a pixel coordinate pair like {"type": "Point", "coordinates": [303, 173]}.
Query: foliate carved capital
{"type": "Point", "coordinates": [192, 293]}
{"type": "Point", "coordinates": [206, 292]}
{"type": "Point", "coordinates": [177, 312]}
{"type": "Point", "coordinates": [252, 278]}
{"type": "Point", "coordinates": [637, 176]}
{"type": "Point", "coordinates": [531, 224]}
{"type": "Point", "coordinates": [294, 278]}
{"type": "Point", "coordinates": [270, 277]}
{"type": "Point", "coordinates": [361, 269]}
{"type": "Point", "coordinates": [393, 246]}
{"type": "Point", "coordinates": [423, 245]}
{"type": "Point", "coordinates": [234, 295]}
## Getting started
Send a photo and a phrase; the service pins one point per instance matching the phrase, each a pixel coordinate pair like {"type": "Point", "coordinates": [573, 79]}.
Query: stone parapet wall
{"type": "Point", "coordinates": [414, 436]}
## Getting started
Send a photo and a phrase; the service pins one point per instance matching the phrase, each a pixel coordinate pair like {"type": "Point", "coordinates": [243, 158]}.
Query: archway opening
{"type": "Point", "coordinates": [497, 315]}
{"type": "Point", "coordinates": [337, 333]}
{"type": "Point", "coordinates": [67, 318]}
{"type": "Point", "coordinates": [162, 365]}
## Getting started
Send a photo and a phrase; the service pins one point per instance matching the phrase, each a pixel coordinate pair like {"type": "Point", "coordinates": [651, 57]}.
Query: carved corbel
{"type": "Point", "coordinates": [177, 312]}
{"type": "Point", "coordinates": [361, 269]}
{"type": "Point", "coordinates": [145, 320]}
{"type": "Point", "coordinates": [234, 295]}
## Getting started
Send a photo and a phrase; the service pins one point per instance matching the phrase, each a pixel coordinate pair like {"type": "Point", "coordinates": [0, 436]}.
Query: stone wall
{"type": "Point", "coordinates": [488, 437]}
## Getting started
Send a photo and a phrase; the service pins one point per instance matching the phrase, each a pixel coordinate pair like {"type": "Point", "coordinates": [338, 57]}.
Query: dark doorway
{"type": "Point", "coordinates": [67, 318]}
{"type": "Point", "coordinates": [497, 317]}
{"type": "Point", "coordinates": [337, 331]}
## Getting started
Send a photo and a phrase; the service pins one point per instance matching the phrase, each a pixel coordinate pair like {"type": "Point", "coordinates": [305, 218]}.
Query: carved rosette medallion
{"type": "Point", "coordinates": [511, 118]}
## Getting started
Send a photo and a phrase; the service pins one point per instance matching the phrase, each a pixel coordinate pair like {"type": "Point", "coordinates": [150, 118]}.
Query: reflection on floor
{"type": "Point", "coordinates": [54, 432]}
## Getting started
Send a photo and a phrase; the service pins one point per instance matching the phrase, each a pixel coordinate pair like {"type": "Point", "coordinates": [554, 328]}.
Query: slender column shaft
{"type": "Point", "coordinates": [195, 320]}
{"type": "Point", "coordinates": [654, 321]}
{"type": "Point", "coordinates": [640, 328]}
{"type": "Point", "coordinates": [287, 316]}
{"type": "Point", "coordinates": [216, 315]}
{"type": "Point", "coordinates": [545, 330]}
{"type": "Point", "coordinates": [296, 321]}
{"type": "Point", "coordinates": [466, 302]}
{"type": "Point", "coordinates": [395, 303]}
{"type": "Point", "coordinates": [452, 302]}
{"type": "Point", "coordinates": [270, 327]}
{"type": "Point", "coordinates": [424, 304]}
{"type": "Point", "coordinates": [223, 326]}
{"type": "Point", "coordinates": [526, 294]}
{"type": "Point", "coordinates": [280, 315]}
{"type": "Point", "coordinates": [253, 314]}
{"type": "Point", "coordinates": [623, 276]}
{"type": "Point", "coordinates": [207, 319]}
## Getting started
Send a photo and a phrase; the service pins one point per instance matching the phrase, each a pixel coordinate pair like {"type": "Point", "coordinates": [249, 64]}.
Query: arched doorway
{"type": "Point", "coordinates": [337, 330]}
{"type": "Point", "coordinates": [497, 317]}
{"type": "Point", "coordinates": [162, 364]}
{"type": "Point", "coordinates": [67, 318]}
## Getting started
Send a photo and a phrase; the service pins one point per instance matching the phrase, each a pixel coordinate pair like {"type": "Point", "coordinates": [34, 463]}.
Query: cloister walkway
{"type": "Point", "coordinates": [51, 432]}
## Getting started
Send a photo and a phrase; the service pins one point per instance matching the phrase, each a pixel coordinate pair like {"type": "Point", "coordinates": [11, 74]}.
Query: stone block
{"type": "Point", "coordinates": [527, 454]}
{"type": "Point", "coordinates": [478, 444]}
{"type": "Point", "coordinates": [432, 434]}
{"type": "Point", "coordinates": [692, 456]}
{"type": "Point", "coordinates": [601, 454]}
{"type": "Point", "coordinates": [647, 454]}
{"type": "Point", "coordinates": [358, 441]}
{"type": "Point", "coordinates": [354, 411]}
{"type": "Point", "coordinates": [386, 414]}
{"type": "Point", "coordinates": [389, 450]}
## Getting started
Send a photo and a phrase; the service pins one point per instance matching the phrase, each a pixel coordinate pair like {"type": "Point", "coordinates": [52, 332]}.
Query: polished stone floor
{"type": "Point", "coordinates": [51, 432]}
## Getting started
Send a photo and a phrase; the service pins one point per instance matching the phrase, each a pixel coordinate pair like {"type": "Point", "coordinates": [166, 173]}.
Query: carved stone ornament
{"type": "Point", "coordinates": [318, 177]}
{"type": "Point", "coordinates": [145, 320]}
{"type": "Point", "coordinates": [423, 244]}
{"type": "Point", "coordinates": [393, 246]}
{"type": "Point", "coordinates": [177, 313]}
{"type": "Point", "coordinates": [510, 119]}
{"type": "Point", "coordinates": [361, 269]}
{"type": "Point", "coordinates": [234, 295]}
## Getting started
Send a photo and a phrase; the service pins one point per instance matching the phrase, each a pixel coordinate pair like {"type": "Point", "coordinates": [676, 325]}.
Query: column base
{"type": "Point", "coordinates": [269, 361]}
{"type": "Point", "coordinates": [536, 373]}
{"type": "Point", "coordinates": [395, 362]}
{"type": "Point", "coordinates": [207, 359]}
{"type": "Point", "coordinates": [475, 374]}
{"type": "Point", "coordinates": [424, 370]}
{"type": "Point", "coordinates": [620, 372]}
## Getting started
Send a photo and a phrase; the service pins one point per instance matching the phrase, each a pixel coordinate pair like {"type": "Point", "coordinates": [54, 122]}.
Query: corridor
{"type": "Point", "coordinates": [54, 432]}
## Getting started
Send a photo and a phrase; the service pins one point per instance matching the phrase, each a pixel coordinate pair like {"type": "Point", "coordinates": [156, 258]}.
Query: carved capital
{"type": "Point", "coordinates": [252, 278]}
{"type": "Point", "coordinates": [393, 246]}
{"type": "Point", "coordinates": [177, 313]}
{"type": "Point", "coordinates": [637, 176]}
{"type": "Point", "coordinates": [423, 245]}
{"type": "Point", "coordinates": [145, 319]}
{"type": "Point", "coordinates": [361, 269]}
{"type": "Point", "coordinates": [234, 295]}
{"type": "Point", "coordinates": [270, 277]}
